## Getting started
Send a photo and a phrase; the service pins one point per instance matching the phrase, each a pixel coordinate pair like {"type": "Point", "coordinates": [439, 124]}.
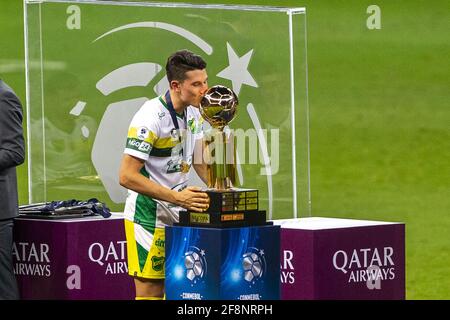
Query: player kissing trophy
{"type": "Point", "coordinates": [229, 206]}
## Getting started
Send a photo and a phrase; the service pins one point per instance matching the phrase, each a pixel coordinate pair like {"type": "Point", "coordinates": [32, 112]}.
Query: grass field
{"type": "Point", "coordinates": [379, 120]}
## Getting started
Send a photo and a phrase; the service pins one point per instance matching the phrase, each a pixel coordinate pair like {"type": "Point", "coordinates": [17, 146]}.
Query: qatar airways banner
{"type": "Point", "coordinates": [72, 259]}
{"type": "Point", "coordinates": [325, 258]}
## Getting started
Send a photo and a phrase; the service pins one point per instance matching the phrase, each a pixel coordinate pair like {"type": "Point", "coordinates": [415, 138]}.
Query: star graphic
{"type": "Point", "coordinates": [237, 71]}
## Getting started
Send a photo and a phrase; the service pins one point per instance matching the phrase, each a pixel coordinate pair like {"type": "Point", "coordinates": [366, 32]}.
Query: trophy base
{"type": "Point", "coordinates": [234, 200]}
{"type": "Point", "coordinates": [223, 220]}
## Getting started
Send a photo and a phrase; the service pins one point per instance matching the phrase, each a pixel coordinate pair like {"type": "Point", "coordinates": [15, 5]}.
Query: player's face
{"type": "Point", "coordinates": [194, 87]}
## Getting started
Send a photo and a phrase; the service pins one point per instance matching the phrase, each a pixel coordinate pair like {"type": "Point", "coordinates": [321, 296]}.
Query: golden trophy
{"type": "Point", "coordinates": [218, 107]}
{"type": "Point", "coordinates": [229, 206]}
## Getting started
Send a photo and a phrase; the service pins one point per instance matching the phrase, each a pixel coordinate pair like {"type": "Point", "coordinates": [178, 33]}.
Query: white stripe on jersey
{"type": "Point", "coordinates": [142, 236]}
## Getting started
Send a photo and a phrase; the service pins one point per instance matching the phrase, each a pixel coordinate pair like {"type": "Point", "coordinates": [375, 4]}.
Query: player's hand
{"type": "Point", "coordinates": [193, 199]}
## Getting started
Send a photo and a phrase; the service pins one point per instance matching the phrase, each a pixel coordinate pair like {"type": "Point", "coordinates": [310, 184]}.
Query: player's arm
{"type": "Point", "coordinates": [198, 162]}
{"type": "Point", "coordinates": [131, 178]}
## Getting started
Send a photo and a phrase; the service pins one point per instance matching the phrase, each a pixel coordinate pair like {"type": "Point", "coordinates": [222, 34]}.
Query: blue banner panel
{"type": "Point", "coordinates": [223, 264]}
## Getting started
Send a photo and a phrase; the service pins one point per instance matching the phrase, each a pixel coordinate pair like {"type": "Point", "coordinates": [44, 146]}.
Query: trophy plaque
{"type": "Point", "coordinates": [229, 206]}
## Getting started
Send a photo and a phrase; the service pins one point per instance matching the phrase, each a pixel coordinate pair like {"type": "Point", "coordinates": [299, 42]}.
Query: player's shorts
{"type": "Point", "coordinates": [145, 250]}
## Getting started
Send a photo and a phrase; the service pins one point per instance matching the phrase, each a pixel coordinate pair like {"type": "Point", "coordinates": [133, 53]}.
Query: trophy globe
{"type": "Point", "coordinates": [219, 106]}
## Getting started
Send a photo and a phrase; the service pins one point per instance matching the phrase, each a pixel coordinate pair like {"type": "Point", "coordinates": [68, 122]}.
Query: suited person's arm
{"type": "Point", "coordinates": [12, 150]}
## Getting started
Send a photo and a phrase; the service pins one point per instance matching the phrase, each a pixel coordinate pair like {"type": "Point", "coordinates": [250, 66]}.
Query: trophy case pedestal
{"type": "Point", "coordinates": [223, 263]}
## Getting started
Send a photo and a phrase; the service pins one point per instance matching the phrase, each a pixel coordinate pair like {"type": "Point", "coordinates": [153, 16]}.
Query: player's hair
{"type": "Point", "coordinates": [181, 62]}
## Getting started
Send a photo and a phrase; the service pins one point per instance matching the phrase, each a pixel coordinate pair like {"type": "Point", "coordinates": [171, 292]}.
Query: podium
{"type": "Point", "coordinates": [331, 259]}
{"type": "Point", "coordinates": [68, 259]}
{"type": "Point", "coordinates": [316, 258]}
{"type": "Point", "coordinates": [223, 263]}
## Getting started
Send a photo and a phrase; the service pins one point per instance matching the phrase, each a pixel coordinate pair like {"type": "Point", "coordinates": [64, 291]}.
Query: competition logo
{"type": "Point", "coordinates": [254, 265]}
{"type": "Point", "coordinates": [126, 68]}
{"type": "Point", "coordinates": [105, 157]}
{"type": "Point", "coordinates": [195, 264]}
{"type": "Point", "coordinates": [143, 133]}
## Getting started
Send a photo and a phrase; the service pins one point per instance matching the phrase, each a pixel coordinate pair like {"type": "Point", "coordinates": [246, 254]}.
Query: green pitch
{"type": "Point", "coordinates": [379, 120]}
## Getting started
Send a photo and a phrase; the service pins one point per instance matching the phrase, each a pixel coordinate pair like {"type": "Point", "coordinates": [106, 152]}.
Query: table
{"type": "Point", "coordinates": [329, 258]}
{"type": "Point", "coordinates": [81, 258]}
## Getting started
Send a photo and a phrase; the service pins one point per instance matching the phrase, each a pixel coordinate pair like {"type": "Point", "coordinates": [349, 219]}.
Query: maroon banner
{"type": "Point", "coordinates": [72, 258]}
{"type": "Point", "coordinates": [325, 258]}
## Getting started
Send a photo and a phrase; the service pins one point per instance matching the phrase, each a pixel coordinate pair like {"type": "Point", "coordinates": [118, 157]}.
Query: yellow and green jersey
{"type": "Point", "coordinates": [153, 138]}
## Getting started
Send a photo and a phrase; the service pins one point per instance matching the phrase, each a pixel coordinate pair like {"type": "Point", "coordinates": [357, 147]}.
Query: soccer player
{"type": "Point", "coordinates": [158, 156]}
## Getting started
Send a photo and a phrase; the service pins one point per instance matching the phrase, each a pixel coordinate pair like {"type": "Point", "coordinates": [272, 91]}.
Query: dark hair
{"type": "Point", "coordinates": [182, 61]}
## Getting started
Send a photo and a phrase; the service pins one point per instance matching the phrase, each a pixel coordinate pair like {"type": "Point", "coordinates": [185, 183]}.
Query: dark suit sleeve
{"type": "Point", "coordinates": [12, 150]}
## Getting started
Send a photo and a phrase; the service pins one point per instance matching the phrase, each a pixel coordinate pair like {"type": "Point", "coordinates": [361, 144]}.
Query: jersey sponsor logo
{"type": "Point", "coordinates": [173, 166]}
{"type": "Point", "coordinates": [138, 145]}
{"type": "Point", "coordinates": [133, 143]}
{"type": "Point", "coordinates": [160, 243]}
{"type": "Point", "coordinates": [145, 147]}
{"type": "Point", "coordinates": [161, 115]}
